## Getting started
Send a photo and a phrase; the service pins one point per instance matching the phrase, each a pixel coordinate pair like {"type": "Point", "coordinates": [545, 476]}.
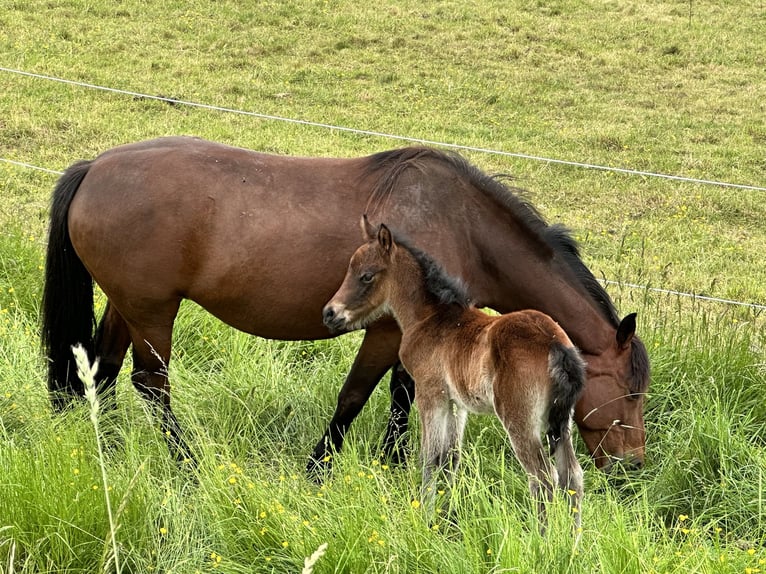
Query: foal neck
{"type": "Point", "coordinates": [411, 298]}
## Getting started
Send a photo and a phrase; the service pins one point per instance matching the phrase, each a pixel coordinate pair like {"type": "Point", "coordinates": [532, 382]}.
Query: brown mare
{"type": "Point", "coordinates": [520, 366]}
{"type": "Point", "coordinates": [263, 241]}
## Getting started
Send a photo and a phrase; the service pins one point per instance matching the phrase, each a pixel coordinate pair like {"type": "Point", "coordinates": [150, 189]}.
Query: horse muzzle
{"type": "Point", "coordinates": [627, 463]}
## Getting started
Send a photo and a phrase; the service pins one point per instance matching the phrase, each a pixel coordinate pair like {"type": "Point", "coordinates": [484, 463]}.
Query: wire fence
{"type": "Point", "coordinates": [385, 135]}
{"type": "Point", "coordinates": [627, 171]}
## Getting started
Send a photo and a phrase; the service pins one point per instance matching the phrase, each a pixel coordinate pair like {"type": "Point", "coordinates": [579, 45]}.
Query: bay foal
{"type": "Point", "coordinates": [521, 366]}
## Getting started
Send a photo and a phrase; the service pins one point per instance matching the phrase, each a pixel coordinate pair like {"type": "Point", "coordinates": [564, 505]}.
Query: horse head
{"type": "Point", "coordinates": [610, 414]}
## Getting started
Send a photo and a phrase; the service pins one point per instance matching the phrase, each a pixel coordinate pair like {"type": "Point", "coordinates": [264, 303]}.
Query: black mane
{"type": "Point", "coordinates": [444, 288]}
{"type": "Point", "coordinates": [554, 239]}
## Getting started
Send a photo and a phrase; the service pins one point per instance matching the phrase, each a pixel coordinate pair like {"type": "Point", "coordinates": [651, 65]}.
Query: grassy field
{"type": "Point", "coordinates": [667, 86]}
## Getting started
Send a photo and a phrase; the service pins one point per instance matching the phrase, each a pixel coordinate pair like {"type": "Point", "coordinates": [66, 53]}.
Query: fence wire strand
{"type": "Point", "coordinates": [374, 133]}
{"type": "Point", "coordinates": [754, 306]}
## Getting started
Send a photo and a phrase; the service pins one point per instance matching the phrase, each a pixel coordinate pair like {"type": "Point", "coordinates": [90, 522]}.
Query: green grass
{"type": "Point", "coordinates": [264, 403]}
{"type": "Point", "coordinates": [675, 87]}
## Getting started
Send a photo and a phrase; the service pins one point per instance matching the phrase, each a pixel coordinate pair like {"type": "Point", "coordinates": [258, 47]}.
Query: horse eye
{"type": "Point", "coordinates": [367, 277]}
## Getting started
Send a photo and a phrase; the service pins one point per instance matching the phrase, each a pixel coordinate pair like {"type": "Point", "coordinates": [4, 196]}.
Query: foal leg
{"type": "Point", "coordinates": [442, 427]}
{"type": "Point", "coordinates": [402, 396]}
{"type": "Point", "coordinates": [542, 475]}
{"type": "Point", "coordinates": [434, 445]}
{"type": "Point", "coordinates": [570, 476]}
{"type": "Point", "coordinates": [378, 352]}
{"type": "Point", "coordinates": [456, 429]}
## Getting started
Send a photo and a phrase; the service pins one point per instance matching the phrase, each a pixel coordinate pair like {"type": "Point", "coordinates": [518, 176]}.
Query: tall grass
{"type": "Point", "coordinates": [87, 374]}
{"type": "Point", "coordinates": [699, 504]}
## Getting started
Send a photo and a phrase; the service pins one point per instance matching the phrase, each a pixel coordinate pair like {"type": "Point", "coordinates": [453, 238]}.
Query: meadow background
{"type": "Point", "coordinates": [677, 87]}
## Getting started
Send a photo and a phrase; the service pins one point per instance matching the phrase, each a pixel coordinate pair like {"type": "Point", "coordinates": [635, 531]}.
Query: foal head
{"type": "Point", "coordinates": [389, 276]}
{"type": "Point", "coordinates": [363, 296]}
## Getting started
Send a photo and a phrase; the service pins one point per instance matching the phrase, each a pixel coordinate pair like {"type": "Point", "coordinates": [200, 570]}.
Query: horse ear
{"type": "Point", "coordinates": [368, 230]}
{"type": "Point", "coordinates": [385, 239]}
{"type": "Point", "coordinates": [626, 330]}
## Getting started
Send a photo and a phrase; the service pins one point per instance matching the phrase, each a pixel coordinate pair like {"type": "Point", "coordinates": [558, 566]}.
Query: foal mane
{"type": "Point", "coordinates": [444, 288]}
{"type": "Point", "coordinates": [553, 239]}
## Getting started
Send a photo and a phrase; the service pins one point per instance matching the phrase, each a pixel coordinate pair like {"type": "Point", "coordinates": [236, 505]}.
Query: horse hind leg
{"type": "Point", "coordinates": [151, 380]}
{"type": "Point", "coordinates": [111, 344]}
{"type": "Point", "coordinates": [151, 356]}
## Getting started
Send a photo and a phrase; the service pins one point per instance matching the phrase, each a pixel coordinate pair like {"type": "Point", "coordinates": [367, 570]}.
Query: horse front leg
{"type": "Point", "coordinates": [379, 350]}
{"type": "Point", "coordinates": [402, 396]}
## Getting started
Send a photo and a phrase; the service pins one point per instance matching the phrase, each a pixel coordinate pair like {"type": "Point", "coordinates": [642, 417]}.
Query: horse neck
{"type": "Point", "coordinates": [506, 266]}
{"type": "Point", "coordinates": [509, 268]}
{"type": "Point", "coordinates": [531, 278]}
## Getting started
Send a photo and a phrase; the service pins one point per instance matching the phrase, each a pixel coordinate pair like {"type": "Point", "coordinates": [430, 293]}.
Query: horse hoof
{"type": "Point", "coordinates": [318, 469]}
{"type": "Point", "coordinates": [395, 457]}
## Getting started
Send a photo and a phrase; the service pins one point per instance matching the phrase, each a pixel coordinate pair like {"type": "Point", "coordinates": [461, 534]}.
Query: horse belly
{"type": "Point", "coordinates": [272, 317]}
{"type": "Point", "coordinates": [275, 285]}
{"type": "Point", "coordinates": [256, 249]}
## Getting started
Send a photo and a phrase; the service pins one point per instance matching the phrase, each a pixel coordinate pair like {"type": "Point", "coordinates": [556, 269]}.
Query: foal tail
{"type": "Point", "coordinates": [567, 371]}
{"type": "Point", "coordinates": [67, 305]}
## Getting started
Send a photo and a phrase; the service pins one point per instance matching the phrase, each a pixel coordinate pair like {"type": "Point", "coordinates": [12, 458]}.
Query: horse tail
{"type": "Point", "coordinates": [67, 306]}
{"type": "Point", "coordinates": [567, 371]}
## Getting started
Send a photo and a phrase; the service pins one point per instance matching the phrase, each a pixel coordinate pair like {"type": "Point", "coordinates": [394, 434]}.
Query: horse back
{"type": "Point", "coordinates": [173, 218]}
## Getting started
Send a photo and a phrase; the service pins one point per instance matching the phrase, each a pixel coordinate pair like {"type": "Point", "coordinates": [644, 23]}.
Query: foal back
{"type": "Point", "coordinates": [538, 376]}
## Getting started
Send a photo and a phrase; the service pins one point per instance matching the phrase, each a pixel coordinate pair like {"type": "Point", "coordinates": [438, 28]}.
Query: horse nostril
{"type": "Point", "coordinates": [328, 315]}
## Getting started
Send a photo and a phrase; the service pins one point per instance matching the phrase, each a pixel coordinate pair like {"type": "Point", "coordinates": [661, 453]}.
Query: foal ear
{"type": "Point", "coordinates": [626, 330]}
{"type": "Point", "coordinates": [368, 230]}
{"type": "Point", "coordinates": [385, 239]}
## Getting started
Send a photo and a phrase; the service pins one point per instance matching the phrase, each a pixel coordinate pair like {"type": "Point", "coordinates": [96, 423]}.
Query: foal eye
{"type": "Point", "coordinates": [367, 277]}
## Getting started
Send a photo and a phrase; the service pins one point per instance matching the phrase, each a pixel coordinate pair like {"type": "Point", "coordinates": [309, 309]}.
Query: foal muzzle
{"type": "Point", "coordinates": [333, 319]}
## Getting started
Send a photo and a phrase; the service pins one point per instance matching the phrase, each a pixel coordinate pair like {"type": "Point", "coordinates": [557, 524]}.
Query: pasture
{"type": "Point", "coordinates": [675, 87]}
